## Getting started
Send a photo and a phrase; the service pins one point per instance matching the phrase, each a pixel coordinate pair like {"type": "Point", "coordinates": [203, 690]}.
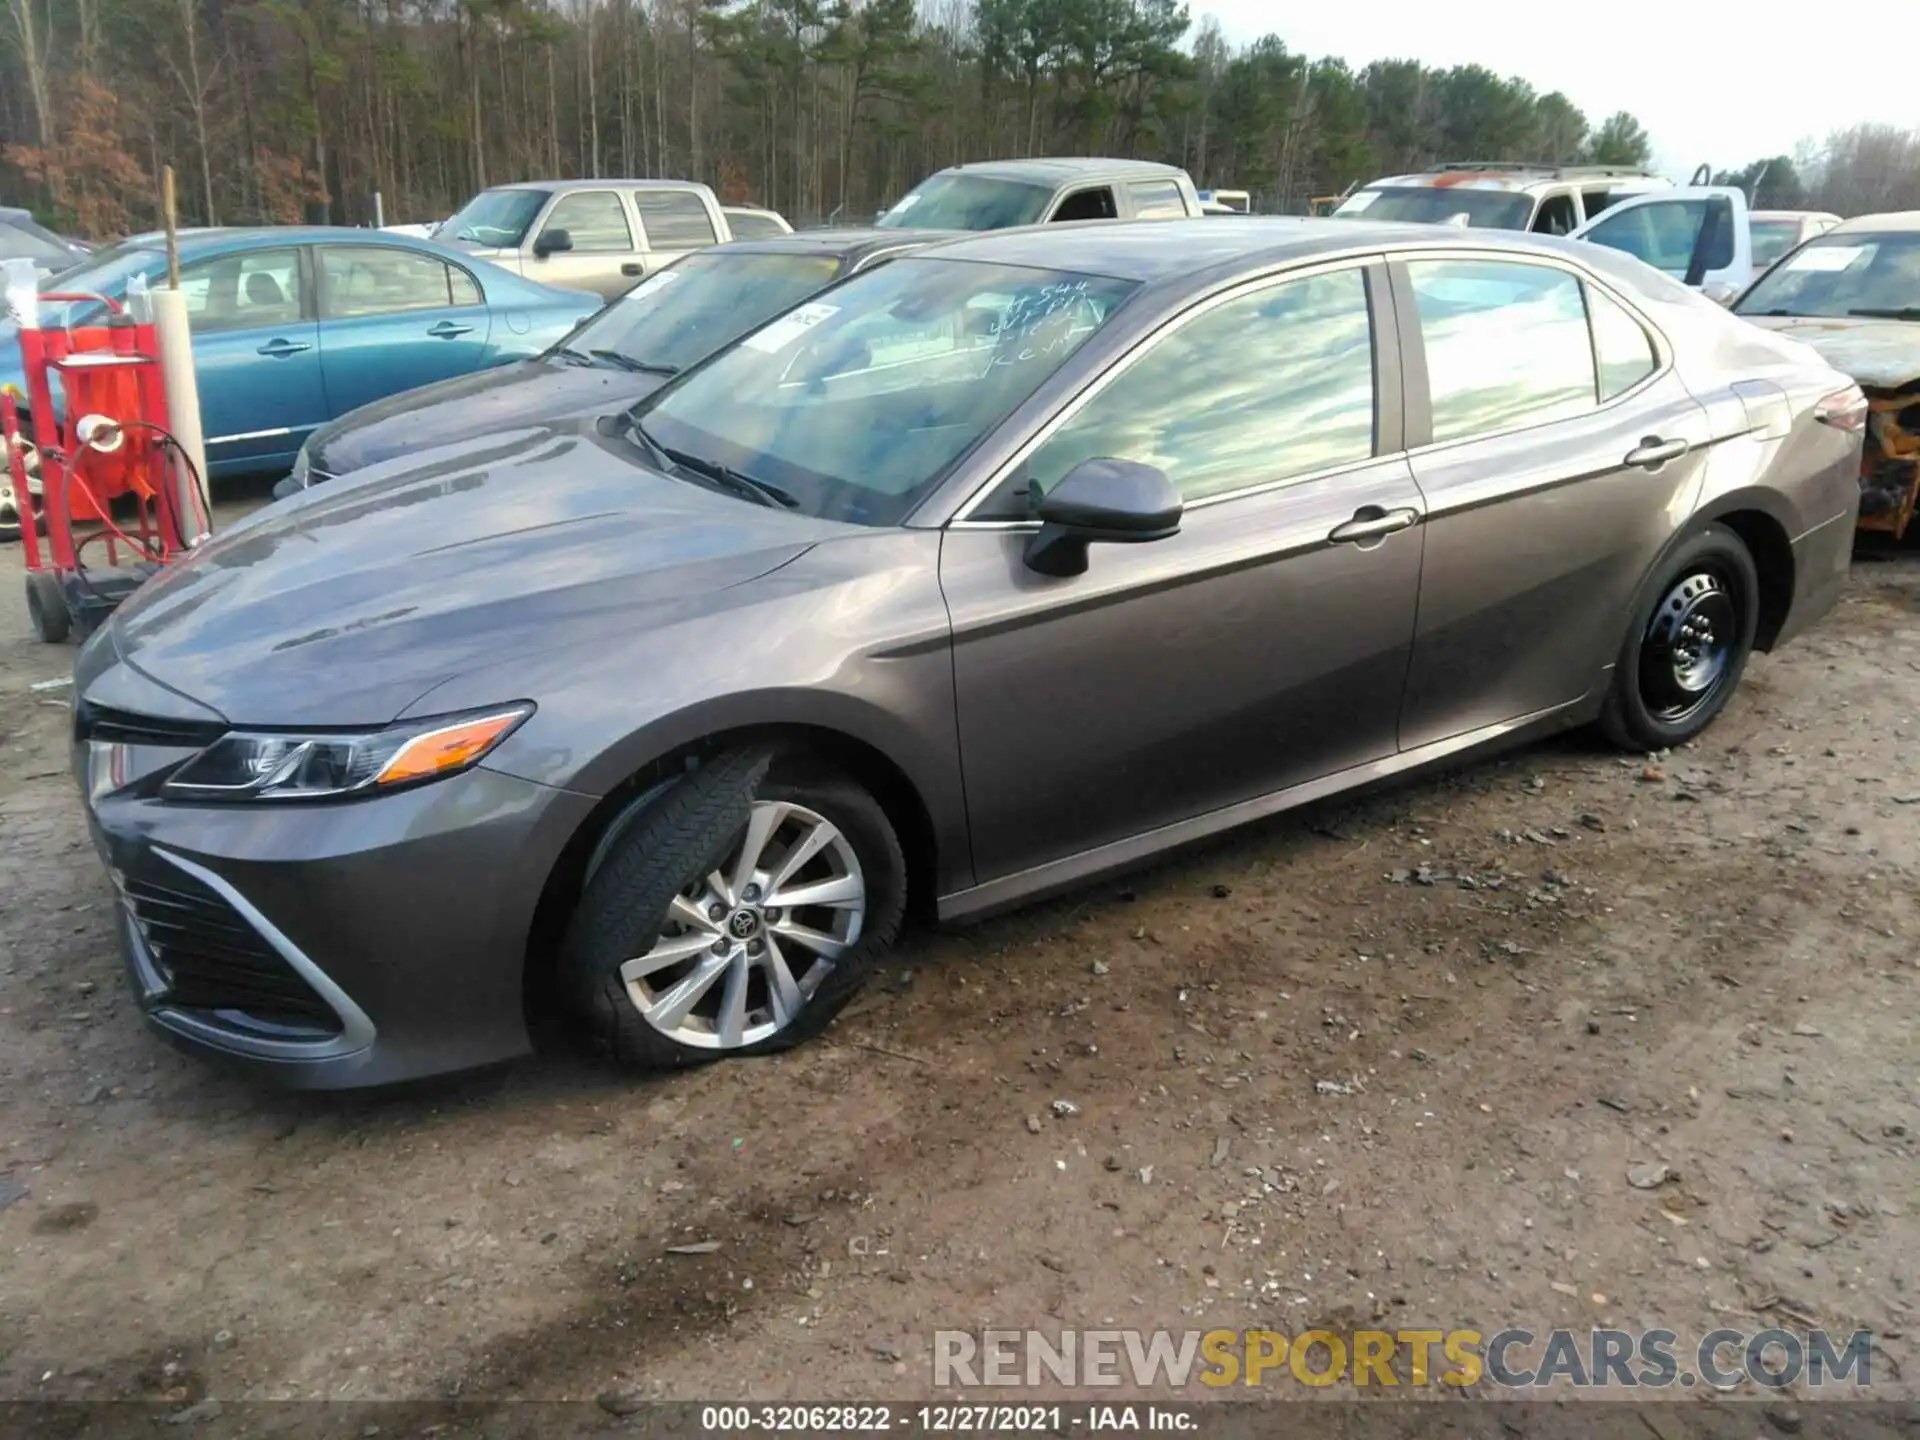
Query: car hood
{"type": "Point", "coordinates": [529, 392]}
{"type": "Point", "coordinates": [345, 604]}
{"type": "Point", "coordinates": [1884, 354]}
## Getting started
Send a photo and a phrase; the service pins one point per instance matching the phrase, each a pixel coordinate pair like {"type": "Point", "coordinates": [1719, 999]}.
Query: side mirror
{"type": "Point", "coordinates": [551, 242]}
{"type": "Point", "coordinates": [1119, 501]}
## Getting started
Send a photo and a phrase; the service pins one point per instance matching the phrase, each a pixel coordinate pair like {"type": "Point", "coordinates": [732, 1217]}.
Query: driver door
{"type": "Point", "coordinates": [1262, 646]}
{"type": "Point", "coordinates": [1698, 234]}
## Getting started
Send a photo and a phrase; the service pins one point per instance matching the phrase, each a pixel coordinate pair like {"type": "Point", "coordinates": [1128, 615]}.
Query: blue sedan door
{"type": "Point", "coordinates": [256, 353]}
{"type": "Point", "coordinates": [394, 319]}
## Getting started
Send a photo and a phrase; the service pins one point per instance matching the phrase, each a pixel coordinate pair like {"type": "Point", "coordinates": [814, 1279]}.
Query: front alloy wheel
{"type": "Point", "coordinates": [747, 946]}
{"type": "Point", "coordinates": [737, 914]}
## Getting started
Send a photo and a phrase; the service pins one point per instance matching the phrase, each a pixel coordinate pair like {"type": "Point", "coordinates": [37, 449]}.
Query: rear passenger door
{"type": "Point", "coordinates": [1554, 446]}
{"type": "Point", "coordinates": [605, 256]}
{"type": "Point", "coordinates": [1262, 646]}
{"type": "Point", "coordinates": [394, 319]}
{"type": "Point", "coordinates": [675, 222]}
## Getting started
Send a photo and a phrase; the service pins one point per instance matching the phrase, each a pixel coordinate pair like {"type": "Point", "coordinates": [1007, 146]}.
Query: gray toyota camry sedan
{"type": "Point", "coordinates": [1003, 566]}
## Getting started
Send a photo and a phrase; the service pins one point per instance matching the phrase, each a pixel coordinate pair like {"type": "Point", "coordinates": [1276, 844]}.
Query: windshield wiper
{"type": "Point", "coordinates": [627, 362]}
{"type": "Point", "coordinates": [1904, 312]}
{"type": "Point", "coordinates": [727, 478]}
{"type": "Point", "coordinates": [572, 356]}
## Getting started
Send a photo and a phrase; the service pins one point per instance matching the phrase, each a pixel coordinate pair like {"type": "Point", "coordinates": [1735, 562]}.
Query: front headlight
{"type": "Point", "coordinates": [271, 765]}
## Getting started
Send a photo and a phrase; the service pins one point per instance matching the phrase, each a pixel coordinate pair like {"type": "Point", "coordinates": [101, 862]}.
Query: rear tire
{"type": "Point", "coordinates": [681, 952]}
{"type": "Point", "coordinates": [47, 609]}
{"type": "Point", "coordinates": [1687, 646]}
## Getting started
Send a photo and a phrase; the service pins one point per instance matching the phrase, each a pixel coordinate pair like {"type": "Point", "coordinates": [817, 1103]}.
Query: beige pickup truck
{"type": "Point", "coordinates": [598, 235]}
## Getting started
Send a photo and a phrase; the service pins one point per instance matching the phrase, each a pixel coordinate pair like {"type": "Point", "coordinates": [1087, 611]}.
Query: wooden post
{"type": "Point", "coordinates": [170, 213]}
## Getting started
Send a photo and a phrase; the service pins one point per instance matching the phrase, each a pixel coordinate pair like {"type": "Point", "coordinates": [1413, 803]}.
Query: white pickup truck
{"type": "Point", "coordinates": [598, 235]}
{"type": "Point", "coordinates": [1699, 234]}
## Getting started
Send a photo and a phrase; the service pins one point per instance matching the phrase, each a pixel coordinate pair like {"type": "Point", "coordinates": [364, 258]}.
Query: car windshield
{"type": "Point", "coordinates": [857, 404]}
{"type": "Point", "coordinates": [1772, 239]}
{"type": "Point", "coordinates": [21, 239]}
{"type": "Point", "coordinates": [967, 202]}
{"type": "Point", "coordinates": [1836, 276]}
{"type": "Point", "coordinates": [105, 272]}
{"type": "Point", "coordinates": [1438, 205]}
{"type": "Point", "coordinates": [495, 217]}
{"type": "Point", "coordinates": [691, 309]}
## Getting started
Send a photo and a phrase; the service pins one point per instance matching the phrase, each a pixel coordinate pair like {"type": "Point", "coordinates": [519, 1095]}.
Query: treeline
{"type": "Point", "coordinates": [275, 110]}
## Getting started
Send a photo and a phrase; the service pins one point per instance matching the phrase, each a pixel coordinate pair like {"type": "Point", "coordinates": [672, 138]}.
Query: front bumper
{"type": "Point", "coordinates": [330, 946]}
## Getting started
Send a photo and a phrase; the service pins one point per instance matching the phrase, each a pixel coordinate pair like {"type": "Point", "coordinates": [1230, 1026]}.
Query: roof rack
{"type": "Point", "coordinates": [1546, 168]}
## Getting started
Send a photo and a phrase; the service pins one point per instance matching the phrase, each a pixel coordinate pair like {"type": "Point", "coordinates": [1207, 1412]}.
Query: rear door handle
{"type": "Point", "coordinates": [633, 267]}
{"type": "Point", "coordinates": [1370, 522]}
{"type": "Point", "coordinates": [447, 330]}
{"type": "Point", "coordinates": [1653, 452]}
{"type": "Point", "coordinates": [280, 349]}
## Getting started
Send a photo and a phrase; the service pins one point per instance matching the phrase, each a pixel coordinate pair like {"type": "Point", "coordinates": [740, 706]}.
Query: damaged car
{"type": "Point", "coordinates": [1853, 294]}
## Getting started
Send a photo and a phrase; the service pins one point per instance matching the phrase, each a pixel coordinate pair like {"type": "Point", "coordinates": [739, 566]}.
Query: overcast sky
{"type": "Point", "coordinates": [1716, 83]}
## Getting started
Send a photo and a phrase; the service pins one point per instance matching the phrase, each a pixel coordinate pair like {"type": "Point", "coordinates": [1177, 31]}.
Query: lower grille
{"type": "Point", "coordinates": [211, 959]}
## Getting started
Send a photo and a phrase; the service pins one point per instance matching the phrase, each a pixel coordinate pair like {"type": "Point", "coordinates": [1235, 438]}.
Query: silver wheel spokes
{"type": "Point", "coordinates": [745, 948]}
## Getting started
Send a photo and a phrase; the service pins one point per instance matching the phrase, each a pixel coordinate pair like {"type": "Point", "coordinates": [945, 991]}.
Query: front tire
{"type": "Point", "coordinates": [737, 916]}
{"type": "Point", "coordinates": [1687, 646]}
{"type": "Point", "coordinates": [47, 611]}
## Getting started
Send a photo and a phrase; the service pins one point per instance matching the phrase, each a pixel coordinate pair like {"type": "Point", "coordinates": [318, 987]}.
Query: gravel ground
{"type": "Point", "coordinates": [1386, 1060]}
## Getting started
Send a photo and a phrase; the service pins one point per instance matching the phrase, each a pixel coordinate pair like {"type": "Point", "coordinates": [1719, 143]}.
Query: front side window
{"type": "Point", "coordinates": [967, 202]}
{"type": "Point", "coordinates": [857, 404]}
{"type": "Point", "coordinates": [495, 218]}
{"type": "Point", "coordinates": [1274, 385]}
{"type": "Point", "coordinates": [374, 280]}
{"type": "Point", "coordinates": [692, 308]}
{"type": "Point", "coordinates": [594, 220]}
{"type": "Point", "coordinates": [239, 292]}
{"type": "Point", "coordinates": [1663, 234]}
{"type": "Point", "coordinates": [1506, 344]}
{"type": "Point", "coordinates": [1157, 200]}
{"type": "Point", "coordinates": [1840, 276]}
{"type": "Point", "coordinates": [674, 219]}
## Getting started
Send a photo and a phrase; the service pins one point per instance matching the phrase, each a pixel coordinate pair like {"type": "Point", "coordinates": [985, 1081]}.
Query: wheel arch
{"type": "Point", "coordinates": [1764, 527]}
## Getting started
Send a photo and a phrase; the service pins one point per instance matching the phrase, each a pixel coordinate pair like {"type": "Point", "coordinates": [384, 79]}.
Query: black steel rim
{"type": "Point", "coordinates": [1688, 653]}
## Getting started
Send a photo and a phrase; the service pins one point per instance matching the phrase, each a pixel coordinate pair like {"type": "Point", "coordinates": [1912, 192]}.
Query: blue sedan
{"type": "Point", "coordinates": [293, 326]}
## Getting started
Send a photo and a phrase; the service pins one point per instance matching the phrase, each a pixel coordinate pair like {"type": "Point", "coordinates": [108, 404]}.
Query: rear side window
{"type": "Point", "coordinates": [674, 219]}
{"type": "Point", "coordinates": [595, 220]}
{"type": "Point", "coordinates": [748, 226]}
{"type": "Point", "coordinates": [1271, 386]}
{"type": "Point", "coordinates": [1506, 344]}
{"type": "Point", "coordinates": [1157, 200]}
{"type": "Point", "coordinates": [362, 280]}
{"type": "Point", "coordinates": [1623, 349]}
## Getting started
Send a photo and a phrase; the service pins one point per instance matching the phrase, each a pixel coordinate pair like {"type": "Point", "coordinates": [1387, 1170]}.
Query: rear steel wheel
{"type": "Point", "coordinates": [1688, 645]}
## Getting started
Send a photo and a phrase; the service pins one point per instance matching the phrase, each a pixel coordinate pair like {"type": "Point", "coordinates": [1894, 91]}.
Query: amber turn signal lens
{"type": "Point", "coordinates": [450, 748]}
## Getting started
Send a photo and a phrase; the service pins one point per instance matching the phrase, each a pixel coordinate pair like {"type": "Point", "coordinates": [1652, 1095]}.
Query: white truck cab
{"type": "Point", "coordinates": [1699, 233]}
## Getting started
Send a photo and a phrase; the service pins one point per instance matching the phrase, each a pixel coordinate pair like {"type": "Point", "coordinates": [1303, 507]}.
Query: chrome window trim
{"type": "Point", "coordinates": [1239, 290]}
{"type": "Point", "coordinates": [1663, 349]}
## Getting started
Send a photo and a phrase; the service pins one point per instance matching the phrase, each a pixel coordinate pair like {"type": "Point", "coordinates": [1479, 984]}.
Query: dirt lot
{"type": "Point", "coordinates": [1392, 1059]}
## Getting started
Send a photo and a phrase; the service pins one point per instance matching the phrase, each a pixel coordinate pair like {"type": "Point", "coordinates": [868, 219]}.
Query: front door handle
{"type": "Point", "coordinates": [447, 330]}
{"type": "Point", "coordinates": [1370, 522]}
{"type": "Point", "coordinates": [280, 349]}
{"type": "Point", "coordinates": [1653, 452]}
{"type": "Point", "coordinates": [633, 267]}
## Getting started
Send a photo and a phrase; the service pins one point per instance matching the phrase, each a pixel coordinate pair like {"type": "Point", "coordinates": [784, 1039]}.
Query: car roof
{"type": "Point", "coordinates": [1060, 169]}
{"type": "Point", "coordinates": [849, 243]}
{"type": "Point", "coordinates": [620, 182]}
{"type": "Point", "coordinates": [201, 238]}
{"type": "Point", "coordinates": [1792, 215]}
{"type": "Point", "coordinates": [1497, 175]}
{"type": "Point", "coordinates": [1214, 247]}
{"type": "Point", "coordinates": [1888, 220]}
